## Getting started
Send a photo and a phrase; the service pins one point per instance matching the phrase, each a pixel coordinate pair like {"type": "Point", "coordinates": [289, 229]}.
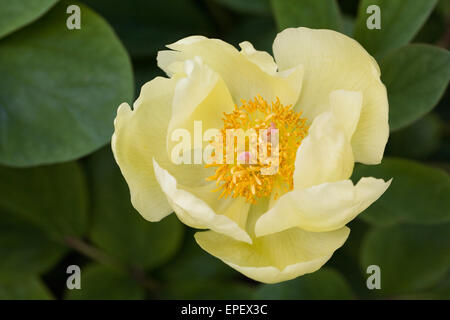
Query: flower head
{"type": "Point", "coordinates": [267, 147]}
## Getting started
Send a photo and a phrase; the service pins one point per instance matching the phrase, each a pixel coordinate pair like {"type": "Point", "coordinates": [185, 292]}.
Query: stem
{"type": "Point", "coordinates": [444, 42]}
{"type": "Point", "coordinates": [141, 277]}
{"type": "Point", "coordinates": [97, 255]}
{"type": "Point", "coordinates": [91, 252]}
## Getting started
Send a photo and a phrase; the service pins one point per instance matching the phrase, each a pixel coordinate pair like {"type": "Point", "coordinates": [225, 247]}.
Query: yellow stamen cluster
{"type": "Point", "coordinates": [245, 179]}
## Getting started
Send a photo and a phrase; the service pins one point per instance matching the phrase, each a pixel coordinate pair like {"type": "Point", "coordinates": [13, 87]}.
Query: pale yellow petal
{"type": "Point", "coordinates": [346, 107]}
{"type": "Point", "coordinates": [244, 78]}
{"type": "Point", "coordinates": [325, 207]}
{"type": "Point", "coordinates": [197, 213]}
{"type": "Point", "coordinates": [325, 155]}
{"type": "Point", "coordinates": [261, 58]}
{"type": "Point", "coordinates": [333, 61]}
{"type": "Point", "coordinates": [200, 99]}
{"type": "Point", "coordinates": [138, 139]}
{"type": "Point", "coordinates": [172, 61]}
{"type": "Point", "coordinates": [277, 257]}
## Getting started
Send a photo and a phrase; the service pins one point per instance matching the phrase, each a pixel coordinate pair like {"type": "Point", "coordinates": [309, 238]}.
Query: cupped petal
{"type": "Point", "coordinates": [261, 58]}
{"type": "Point", "coordinates": [201, 97]}
{"type": "Point", "coordinates": [325, 155]}
{"type": "Point", "coordinates": [277, 257]}
{"type": "Point", "coordinates": [137, 140]}
{"type": "Point", "coordinates": [225, 216]}
{"type": "Point", "coordinates": [322, 208]}
{"type": "Point", "coordinates": [333, 61]}
{"type": "Point", "coordinates": [245, 77]}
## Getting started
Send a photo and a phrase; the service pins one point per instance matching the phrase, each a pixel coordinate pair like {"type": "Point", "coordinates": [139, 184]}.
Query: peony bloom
{"type": "Point", "coordinates": [323, 95]}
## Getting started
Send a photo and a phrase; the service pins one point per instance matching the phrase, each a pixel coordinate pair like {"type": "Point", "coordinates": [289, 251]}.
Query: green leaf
{"type": "Point", "coordinates": [418, 194]}
{"type": "Point", "coordinates": [400, 22]}
{"type": "Point", "coordinates": [148, 26]}
{"type": "Point", "coordinates": [16, 14]}
{"type": "Point", "coordinates": [433, 31]}
{"type": "Point", "coordinates": [99, 282]}
{"type": "Point", "coordinates": [348, 25]}
{"type": "Point", "coordinates": [208, 290]}
{"type": "Point", "coordinates": [245, 30]}
{"type": "Point", "coordinates": [416, 77]}
{"type": "Point", "coordinates": [198, 265]}
{"type": "Point", "coordinates": [27, 288]}
{"type": "Point", "coordinates": [118, 228]}
{"type": "Point", "coordinates": [62, 88]}
{"type": "Point", "coordinates": [440, 292]}
{"type": "Point", "coordinates": [322, 14]}
{"type": "Point", "coordinates": [261, 7]}
{"type": "Point", "coordinates": [411, 258]}
{"type": "Point", "coordinates": [419, 140]}
{"type": "Point", "coordinates": [195, 274]}
{"type": "Point", "coordinates": [144, 71]}
{"type": "Point", "coordinates": [52, 198]}
{"type": "Point", "coordinates": [443, 7]}
{"type": "Point", "coordinates": [24, 249]}
{"type": "Point", "coordinates": [346, 260]}
{"type": "Point", "coordinates": [323, 284]}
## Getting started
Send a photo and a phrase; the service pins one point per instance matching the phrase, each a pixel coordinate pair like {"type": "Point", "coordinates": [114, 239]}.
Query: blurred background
{"type": "Point", "coordinates": [64, 202]}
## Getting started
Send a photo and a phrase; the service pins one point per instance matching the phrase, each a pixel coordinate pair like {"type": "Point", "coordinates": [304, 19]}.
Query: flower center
{"type": "Point", "coordinates": [262, 161]}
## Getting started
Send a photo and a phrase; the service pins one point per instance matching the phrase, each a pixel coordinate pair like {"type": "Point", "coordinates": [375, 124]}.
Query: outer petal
{"type": "Point", "coordinates": [277, 257]}
{"type": "Point", "coordinates": [137, 140]}
{"type": "Point", "coordinates": [197, 213]}
{"type": "Point", "coordinates": [244, 78]}
{"type": "Point", "coordinates": [325, 155]}
{"type": "Point", "coordinates": [334, 61]}
{"type": "Point", "coordinates": [325, 207]}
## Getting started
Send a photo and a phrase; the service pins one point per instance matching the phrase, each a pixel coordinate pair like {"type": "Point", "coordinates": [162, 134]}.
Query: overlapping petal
{"type": "Point", "coordinates": [346, 107]}
{"type": "Point", "coordinates": [195, 212]}
{"type": "Point", "coordinates": [325, 155]}
{"type": "Point", "coordinates": [333, 61]}
{"type": "Point", "coordinates": [138, 139]}
{"type": "Point", "coordinates": [261, 58]}
{"type": "Point", "coordinates": [244, 78]}
{"type": "Point", "coordinates": [321, 208]}
{"type": "Point", "coordinates": [201, 95]}
{"type": "Point", "coordinates": [277, 257]}
{"type": "Point", "coordinates": [200, 99]}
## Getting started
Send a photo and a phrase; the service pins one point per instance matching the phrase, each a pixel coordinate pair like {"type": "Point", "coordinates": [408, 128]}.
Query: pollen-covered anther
{"type": "Point", "coordinates": [263, 164]}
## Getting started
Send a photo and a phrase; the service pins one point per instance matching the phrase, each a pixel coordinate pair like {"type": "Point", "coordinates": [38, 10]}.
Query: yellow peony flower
{"type": "Point", "coordinates": [323, 95]}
